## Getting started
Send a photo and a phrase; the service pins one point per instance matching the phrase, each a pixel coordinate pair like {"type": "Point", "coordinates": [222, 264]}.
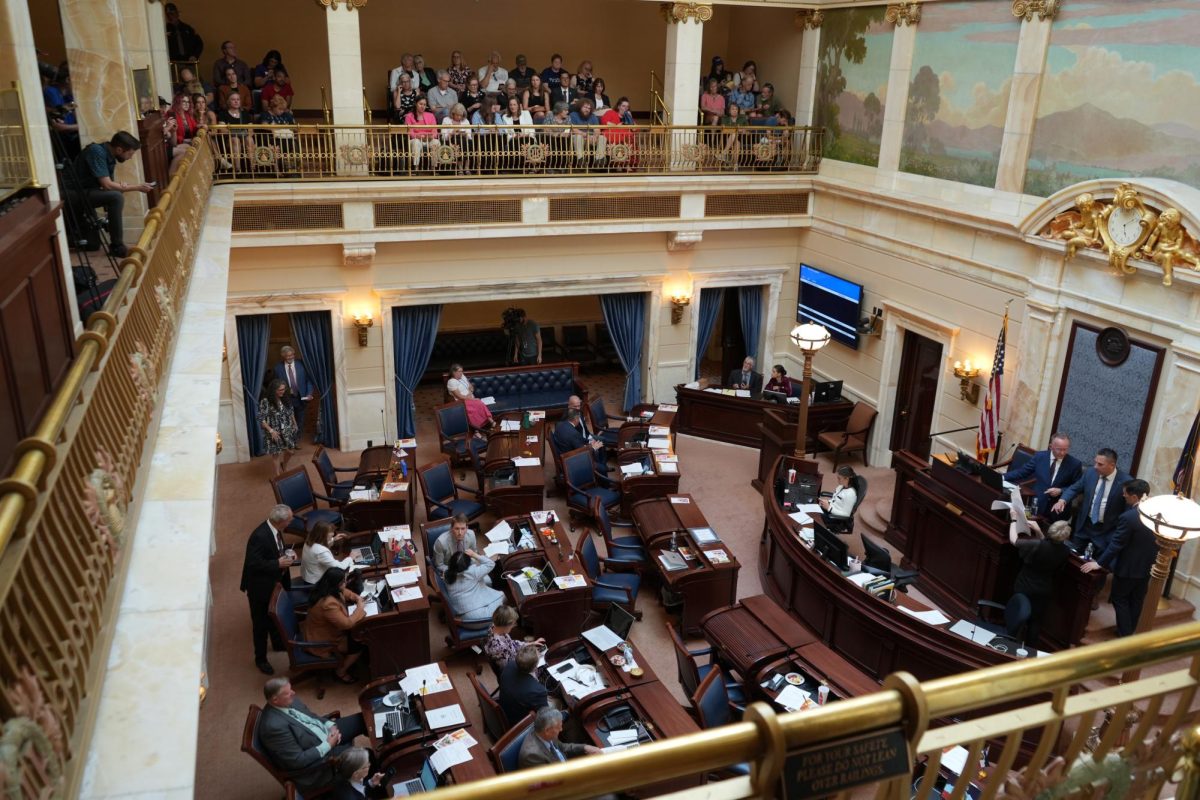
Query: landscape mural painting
{"type": "Point", "coordinates": [956, 106]}
{"type": "Point", "coordinates": [1121, 95]}
{"type": "Point", "coordinates": [852, 76]}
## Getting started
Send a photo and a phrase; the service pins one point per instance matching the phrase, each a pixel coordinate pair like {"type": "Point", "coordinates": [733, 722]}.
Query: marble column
{"type": "Point", "coordinates": [1032, 396]}
{"type": "Point", "coordinates": [681, 76]}
{"type": "Point", "coordinates": [345, 64]}
{"type": "Point", "coordinates": [896, 103]}
{"type": "Point", "coordinates": [810, 44]}
{"type": "Point", "coordinates": [1023, 96]}
{"type": "Point", "coordinates": [160, 60]}
{"type": "Point", "coordinates": [93, 32]}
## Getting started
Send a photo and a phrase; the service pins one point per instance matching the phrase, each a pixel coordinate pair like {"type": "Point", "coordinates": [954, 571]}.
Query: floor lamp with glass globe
{"type": "Point", "coordinates": [809, 337]}
{"type": "Point", "coordinates": [1174, 519]}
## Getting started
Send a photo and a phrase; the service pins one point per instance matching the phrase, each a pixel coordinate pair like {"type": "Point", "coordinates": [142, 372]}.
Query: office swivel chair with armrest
{"type": "Point", "coordinates": [878, 560]}
{"type": "Point", "coordinates": [846, 526]}
{"type": "Point", "coordinates": [1011, 634]}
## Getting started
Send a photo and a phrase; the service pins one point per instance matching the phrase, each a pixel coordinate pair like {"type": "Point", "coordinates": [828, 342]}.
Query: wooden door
{"type": "Point", "coordinates": [920, 361]}
{"type": "Point", "coordinates": [733, 344]}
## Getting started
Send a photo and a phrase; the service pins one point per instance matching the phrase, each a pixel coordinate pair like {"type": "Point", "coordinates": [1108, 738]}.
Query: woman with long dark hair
{"type": "Point", "coordinates": [467, 590]}
{"type": "Point", "coordinates": [329, 620]}
{"type": "Point", "coordinates": [278, 423]}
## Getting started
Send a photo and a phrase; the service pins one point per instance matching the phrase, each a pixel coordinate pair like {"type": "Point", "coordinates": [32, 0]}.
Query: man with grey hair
{"type": "Point", "coordinates": [441, 97]}
{"type": "Point", "coordinates": [267, 563]}
{"type": "Point", "coordinates": [300, 388]}
{"type": "Point", "coordinates": [746, 377]}
{"type": "Point", "coordinates": [300, 742]}
{"type": "Point", "coordinates": [543, 746]}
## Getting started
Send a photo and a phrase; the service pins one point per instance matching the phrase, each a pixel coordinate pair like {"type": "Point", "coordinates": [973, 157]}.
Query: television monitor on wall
{"type": "Point", "coordinates": [831, 301]}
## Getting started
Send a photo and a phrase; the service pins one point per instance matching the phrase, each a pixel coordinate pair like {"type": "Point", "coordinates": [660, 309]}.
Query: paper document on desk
{"type": "Point", "coordinates": [626, 736]}
{"type": "Point", "coordinates": [531, 440]}
{"type": "Point", "coordinates": [570, 582]}
{"type": "Point", "coordinates": [447, 757]}
{"type": "Point", "coordinates": [680, 501]}
{"type": "Point", "coordinates": [406, 593]}
{"type": "Point", "coordinates": [932, 616]}
{"type": "Point", "coordinates": [362, 494]}
{"type": "Point", "coordinates": [669, 407]}
{"type": "Point", "coordinates": [668, 468]}
{"type": "Point", "coordinates": [602, 638]}
{"type": "Point", "coordinates": [370, 608]}
{"type": "Point", "coordinates": [861, 578]}
{"type": "Point", "coordinates": [792, 697]}
{"type": "Point", "coordinates": [459, 736]}
{"type": "Point", "coordinates": [409, 442]}
{"type": "Point", "coordinates": [972, 631]}
{"type": "Point", "coordinates": [509, 425]}
{"type": "Point", "coordinates": [800, 518]}
{"type": "Point", "coordinates": [535, 416]}
{"type": "Point", "coordinates": [445, 717]}
{"type": "Point", "coordinates": [500, 533]}
{"type": "Point", "coordinates": [616, 748]}
{"type": "Point", "coordinates": [393, 532]}
{"type": "Point", "coordinates": [813, 509]}
{"type": "Point", "coordinates": [397, 486]}
{"type": "Point", "coordinates": [403, 576]}
{"type": "Point", "coordinates": [580, 690]}
{"type": "Point", "coordinates": [526, 462]}
{"type": "Point", "coordinates": [660, 430]}
{"type": "Point", "coordinates": [488, 401]}
{"type": "Point", "coordinates": [704, 535]}
{"type": "Point", "coordinates": [692, 385]}
{"type": "Point", "coordinates": [713, 389]}
{"type": "Point", "coordinates": [741, 392]}
{"type": "Point", "coordinates": [635, 468]}
{"type": "Point", "coordinates": [658, 443]}
{"type": "Point", "coordinates": [500, 548]}
{"type": "Point", "coordinates": [540, 517]}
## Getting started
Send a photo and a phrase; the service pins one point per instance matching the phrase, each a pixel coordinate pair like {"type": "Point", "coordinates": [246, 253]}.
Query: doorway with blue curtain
{"type": "Point", "coordinates": [729, 329]}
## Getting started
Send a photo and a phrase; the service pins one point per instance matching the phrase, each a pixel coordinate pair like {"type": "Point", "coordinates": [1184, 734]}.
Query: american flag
{"type": "Point", "coordinates": [1184, 481]}
{"type": "Point", "coordinates": [989, 419]}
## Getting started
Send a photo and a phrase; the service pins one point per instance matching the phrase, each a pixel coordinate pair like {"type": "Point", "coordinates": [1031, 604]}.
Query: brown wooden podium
{"type": "Point", "coordinates": [737, 420]}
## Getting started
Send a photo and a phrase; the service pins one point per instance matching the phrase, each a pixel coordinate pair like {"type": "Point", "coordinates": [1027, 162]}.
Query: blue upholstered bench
{"type": "Point", "coordinates": [545, 386]}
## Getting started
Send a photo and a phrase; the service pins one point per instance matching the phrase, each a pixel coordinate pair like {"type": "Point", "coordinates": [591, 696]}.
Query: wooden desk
{"type": "Point", "coordinates": [648, 485]}
{"type": "Point", "coordinates": [943, 522]}
{"type": "Point", "coordinates": [398, 636]}
{"type": "Point", "coordinates": [616, 679]}
{"type": "Point", "coordinates": [528, 492]}
{"type": "Point", "coordinates": [736, 419]}
{"type": "Point", "coordinates": [704, 585]}
{"type": "Point", "coordinates": [778, 432]}
{"type": "Point", "coordinates": [555, 614]}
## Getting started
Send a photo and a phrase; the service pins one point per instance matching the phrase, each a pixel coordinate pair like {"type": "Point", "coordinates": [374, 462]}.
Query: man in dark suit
{"type": "Point", "coordinates": [1052, 471]}
{"type": "Point", "coordinates": [301, 389]}
{"type": "Point", "coordinates": [266, 564]}
{"type": "Point", "coordinates": [1130, 554]}
{"type": "Point", "coordinates": [300, 742]}
{"type": "Point", "coordinates": [746, 378]}
{"type": "Point", "coordinates": [1103, 503]}
{"type": "Point", "coordinates": [570, 434]}
{"type": "Point", "coordinates": [543, 746]}
{"type": "Point", "coordinates": [520, 690]}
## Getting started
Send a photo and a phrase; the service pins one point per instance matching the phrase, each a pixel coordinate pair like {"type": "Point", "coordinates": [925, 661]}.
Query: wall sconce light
{"type": "Point", "coordinates": [363, 322]}
{"type": "Point", "coordinates": [968, 391]}
{"type": "Point", "coordinates": [678, 303]}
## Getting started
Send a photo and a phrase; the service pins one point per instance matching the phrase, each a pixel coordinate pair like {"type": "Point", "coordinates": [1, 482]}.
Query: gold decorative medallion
{"type": "Point", "coordinates": [809, 19]}
{"type": "Point", "coordinates": [145, 376]}
{"type": "Point", "coordinates": [356, 155]}
{"type": "Point", "coordinates": [350, 4]}
{"type": "Point", "coordinates": [105, 502]}
{"type": "Point", "coordinates": [264, 156]}
{"type": "Point", "coordinates": [620, 152]}
{"type": "Point", "coordinates": [765, 151]}
{"type": "Point", "coordinates": [447, 154]}
{"type": "Point", "coordinates": [1124, 226]}
{"type": "Point", "coordinates": [901, 14]}
{"type": "Point", "coordinates": [535, 153]}
{"type": "Point", "coordinates": [166, 303]}
{"type": "Point", "coordinates": [1026, 9]}
{"type": "Point", "coordinates": [693, 151]}
{"type": "Point", "coordinates": [682, 12]}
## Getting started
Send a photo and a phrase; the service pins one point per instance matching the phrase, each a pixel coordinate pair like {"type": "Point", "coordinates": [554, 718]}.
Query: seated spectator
{"type": "Point", "coordinates": [768, 104]}
{"type": "Point", "coordinates": [467, 590]}
{"type": "Point", "coordinates": [733, 118]}
{"type": "Point", "coordinates": [488, 138]}
{"type": "Point", "coordinates": [536, 100]}
{"type": "Point", "coordinates": [407, 66]}
{"type": "Point", "coordinates": [95, 172]}
{"type": "Point", "coordinates": [229, 59]}
{"type": "Point", "coordinates": [422, 133]}
{"type": "Point", "coordinates": [264, 73]}
{"type": "Point", "coordinates": [614, 120]}
{"type": "Point", "coordinates": [509, 92]}
{"type": "Point", "coordinates": [330, 620]}
{"type": "Point", "coordinates": [318, 552]}
{"type": "Point", "coordinates": [441, 97]}
{"type": "Point", "coordinates": [520, 130]}
{"type": "Point", "coordinates": [492, 76]}
{"type": "Point", "coordinates": [280, 86]}
{"type": "Point", "coordinates": [183, 43]}
{"type": "Point", "coordinates": [520, 690]}
{"type": "Point", "coordinates": [426, 76]}
{"type": "Point", "coordinates": [588, 140]}
{"type": "Point", "coordinates": [725, 81]}
{"type": "Point", "coordinates": [459, 73]}
{"type": "Point", "coordinates": [460, 539]}
{"type": "Point", "coordinates": [277, 113]}
{"type": "Point", "coordinates": [749, 70]}
{"type": "Point", "coordinates": [350, 781]}
{"type": "Point", "coordinates": [500, 647]}
{"type": "Point", "coordinates": [584, 79]}
{"type": "Point", "coordinates": [479, 416]}
{"type": "Point", "coordinates": [404, 100]}
{"type": "Point", "coordinates": [238, 140]}
{"type": "Point", "coordinates": [599, 99]}
{"type": "Point", "coordinates": [300, 743]}
{"type": "Point", "coordinates": [188, 82]}
{"type": "Point", "coordinates": [543, 746]}
{"type": "Point", "coordinates": [201, 110]}
{"type": "Point", "coordinates": [179, 127]}
{"type": "Point", "coordinates": [557, 135]}
{"type": "Point", "coordinates": [472, 99]}
{"type": "Point", "coordinates": [233, 86]}
{"type": "Point", "coordinates": [456, 130]}
{"type": "Point", "coordinates": [712, 103]}
{"type": "Point", "coordinates": [552, 75]}
{"type": "Point", "coordinates": [743, 96]}
{"type": "Point", "coordinates": [522, 73]}
{"type": "Point", "coordinates": [779, 382]}
{"type": "Point", "coordinates": [564, 92]}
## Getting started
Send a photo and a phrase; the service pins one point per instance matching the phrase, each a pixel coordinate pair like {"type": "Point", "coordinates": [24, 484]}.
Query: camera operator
{"type": "Point", "coordinates": [95, 170]}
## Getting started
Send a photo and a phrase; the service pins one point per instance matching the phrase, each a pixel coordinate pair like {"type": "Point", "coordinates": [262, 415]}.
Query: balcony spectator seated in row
{"type": "Point", "coordinates": [190, 83]}
{"type": "Point", "coordinates": [456, 131]}
{"type": "Point", "coordinates": [233, 85]}
{"type": "Point", "coordinates": [264, 73]}
{"type": "Point", "coordinates": [179, 128]}
{"type": "Point", "coordinates": [441, 97]}
{"type": "Point", "coordinates": [767, 105]}
{"type": "Point", "coordinates": [422, 133]}
{"type": "Point", "coordinates": [563, 92]}
{"type": "Point", "coordinates": [492, 76]}
{"type": "Point", "coordinates": [276, 112]}
{"type": "Point", "coordinates": [229, 59]}
{"type": "Point", "coordinates": [96, 185]}
{"type": "Point", "coordinates": [743, 96]}
{"type": "Point", "coordinates": [404, 99]}
{"type": "Point", "coordinates": [459, 72]}
{"type": "Point", "coordinates": [536, 99]}
{"type": "Point", "coordinates": [596, 94]}
{"type": "Point", "coordinates": [238, 140]}
{"type": "Point", "coordinates": [509, 92]}
{"type": "Point", "coordinates": [202, 110]}
{"type": "Point", "coordinates": [725, 80]}
{"type": "Point", "coordinates": [473, 98]}
{"type": "Point", "coordinates": [588, 140]}
{"type": "Point", "coordinates": [426, 76]}
{"type": "Point", "coordinates": [552, 75]}
{"type": "Point", "coordinates": [522, 73]}
{"type": "Point", "coordinates": [584, 80]}
{"type": "Point", "coordinates": [408, 67]}
{"type": "Point", "coordinates": [183, 43]}
{"type": "Point", "coordinates": [618, 130]}
{"type": "Point", "coordinates": [280, 86]}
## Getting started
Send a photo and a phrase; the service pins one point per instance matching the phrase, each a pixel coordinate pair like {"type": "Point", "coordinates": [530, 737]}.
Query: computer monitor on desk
{"type": "Point", "coordinates": [771, 396]}
{"type": "Point", "coordinates": [827, 391]}
{"type": "Point", "coordinates": [830, 547]}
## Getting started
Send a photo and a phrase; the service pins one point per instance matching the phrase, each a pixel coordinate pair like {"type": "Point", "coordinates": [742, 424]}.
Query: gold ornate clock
{"type": "Point", "coordinates": [1124, 227]}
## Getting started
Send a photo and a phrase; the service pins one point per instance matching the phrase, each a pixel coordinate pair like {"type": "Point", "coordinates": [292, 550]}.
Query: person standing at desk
{"type": "Point", "coordinates": [1103, 503]}
{"type": "Point", "coordinates": [1052, 470]}
{"type": "Point", "coordinates": [1130, 554]}
{"type": "Point", "coordinates": [527, 340]}
{"type": "Point", "coordinates": [293, 373]}
{"type": "Point", "coordinates": [266, 564]}
{"type": "Point", "coordinates": [1041, 559]}
{"type": "Point", "coordinates": [746, 378]}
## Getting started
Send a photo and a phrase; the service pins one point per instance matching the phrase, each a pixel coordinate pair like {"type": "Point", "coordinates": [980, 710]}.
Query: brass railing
{"type": "Point", "coordinates": [659, 113]}
{"type": "Point", "coordinates": [1091, 733]}
{"type": "Point", "coordinates": [16, 163]}
{"type": "Point", "coordinates": [63, 531]}
{"type": "Point", "coordinates": [307, 152]}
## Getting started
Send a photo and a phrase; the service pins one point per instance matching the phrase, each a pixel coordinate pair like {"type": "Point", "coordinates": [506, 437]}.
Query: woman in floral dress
{"type": "Point", "coordinates": [278, 424]}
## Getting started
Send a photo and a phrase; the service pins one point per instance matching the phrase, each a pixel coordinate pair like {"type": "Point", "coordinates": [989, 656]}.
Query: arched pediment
{"type": "Point", "coordinates": [1162, 232]}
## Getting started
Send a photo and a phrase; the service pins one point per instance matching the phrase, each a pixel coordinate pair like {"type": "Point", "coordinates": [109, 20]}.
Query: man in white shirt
{"type": "Point", "coordinates": [492, 76]}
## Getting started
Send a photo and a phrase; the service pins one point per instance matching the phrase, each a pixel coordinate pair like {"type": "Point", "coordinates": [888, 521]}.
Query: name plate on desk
{"type": "Point", "coordinates": [829, 768]}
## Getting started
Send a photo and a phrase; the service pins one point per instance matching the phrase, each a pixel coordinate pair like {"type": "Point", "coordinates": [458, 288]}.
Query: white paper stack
{"type": "Point", "coordinates": [969, 630]}
{"type": "Point", "coordinates": [810, 508]}
{"type": "Point", "coordinates": [500, 533]}
{"type": "Point", "coordinates": [526, 462]}
{"type": "Point", "coordinates": [406, 593]}
{"type": "Point", "coordinates": [447, 757]}
{"type": "Point", "coordinates": [409, 442]}
{"type": "Point", "coordinates": [488, 401]}
{"type": "Point", "coordinates": [602, 638]}
{"type": "Point", "coordinates": [393, 532]}
{"type": "Point", "coordinates": [361, 494]}
{"type": "Point", "coordinates": [660, 430]}
{"type": "Point", "coordinates": [500, 548]}
{"type": "Point", "coordinates": [403, 576]}
{"type": "Point", "coordinates": [932, 617]}
{"type": "Point", "coordinates": [445, 717]}
{"type": "Point", "coordinates": [691, 385]}
{"type": "Point", "coordinates": [570, 582]}
{"type": "Point", "coordinates": [680, 501]}
{"type": "Point", "coordinates": [659, 443]}
{"type": "Point", "coordinates": [635, 468]}
{"type": "Point", "coordinates": [792, 697]}
{"type": "Point", "coordinates": [741, 392]}
{"type": "Point", "coordinates": [509, 425]}
{"type": "Point", "coordinates": [668, 468]}
{"type": "Point", "coordinates": [534, 416]}
{"type": "Point", "coordinates": [800, 518]}
{"type": "Point", "coordinates": [623, 737]}
{"type": "Point", "coordinates": [671, 407]}
{"type": "Point", "coordinates": [370, 608]}
{"type": "Point", "coordinates": [540, 517]}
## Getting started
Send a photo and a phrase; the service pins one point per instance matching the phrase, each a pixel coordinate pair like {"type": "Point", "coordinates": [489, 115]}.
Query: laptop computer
{"type": "Point", "coordinates": [546, 578]}
{"type": "Point", "coordinates": [773, 396]}
{"type": "Point", "coordinates": [827, 391]}
{"type": "Point", "coordinates": [424, 782]}
{"type": "Point", "coordinates": [619, 621]}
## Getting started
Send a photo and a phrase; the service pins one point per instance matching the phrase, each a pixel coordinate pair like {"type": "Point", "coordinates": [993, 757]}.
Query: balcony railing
{"type": "Point", "coordinates": [16, 164]}
{"type": "Point", "coordinates": [63, 510]}
{"type": "Point", "coordinates": [359, 152]}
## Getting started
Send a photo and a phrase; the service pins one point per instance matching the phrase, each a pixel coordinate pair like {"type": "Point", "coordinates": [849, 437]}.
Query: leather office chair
{"type": "Point", "coordinates": [441, 493]}
{"type": "Point", "coordinates": [294, 490]}
{"type": "Point", "coordinates": [598, 419]}
{"type": "Point", "coordinates": [494, 720]}
{"type": "Point", "coordinates": [430, 533]}
{"type": "Point", "coordinates": [302, 662]}
{"type": "Point", "coordinates": [692, 672]}
{"type": "Point", "coordinates": [625, 552]}
{"type": "Point", "coordinates": [455, 434]}
{"type": "Point", "coordinates": [461, 634]}
{"type": "Point", "coordinates": [252, 746]}
{"type": "Point", "coordinates": [584, 483]}
{"type": "Point", "coordinates": [713, 709]}
{"type": "Point", "coordinates": [326, 469]}
{"type": "Point", "coordinates": [607, 587]}
{"type": "Point", "coordinates": [1017, 612]}
{"type": "Point", "coordinates": [854, 438]}
{"type": "Point", "coordinates": [846, 526]}
{"type": "Point", "coordinates": [506, 753]}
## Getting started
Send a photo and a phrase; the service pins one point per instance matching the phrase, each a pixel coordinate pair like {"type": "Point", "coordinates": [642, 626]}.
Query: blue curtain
{"type": "Point", "coordinates": [414, 329]}
{"type": "Point", "coordinates": [313, 332]}
{"type": "Point", "coordinates": [625, 315]}
{"type": "Point", "coordinates": [253, 333]}
{"type": "Point", "coordinates": [750, 306]}
{"type": "Point", "coordinates": [710, 306]}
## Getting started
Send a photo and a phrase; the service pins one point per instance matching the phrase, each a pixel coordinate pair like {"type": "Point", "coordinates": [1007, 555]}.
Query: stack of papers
{"type": "Point", "coordinates": [363, 494]}
{"type": "Point", "coordinates": [526, 462]}
{"type": "Point", "coordinates": [403, 576]}
{"type": "Point", "coordinates": [500, 533]}
{"type": "Point", "coordinates": [500, 548]}
{"type": "Point", "coordinates": [861, 578]}
{"type": "Point", "coordinates": [679, 500]}
{"type": "Point", "coordinates": [428, 676]}
{"type": "Point", "coordinates": [671, 407]}
{"type": "Point", "coordinates": [509, 425]}
{"type": "Point", "coordinates": [932, 617]}
{"type": "Point", "coordinates": [810, 508]}
{"type": "Point", "coordinates": [488, 401]}
{"type": "Point", "coordinates": [658, 443]}
{"type": "Point", "coordinates": [393, 532]}
{"type": "Point", "coordinates": [800, 518]}
{"type": "Point", "coordinates": [370, 608]}
{"type": "Point", "coordinates": [602, 638]}
{"type": "Point", "coordinates": [635, 468]}
{"type": "Point", "coordinates": [717, 556]}
{"type": "Point", "coordinates": [459, 736]}
{"type": "Point", "coordinates": [792, 697]}
{"type": "Point", "coordinates": [409, 442]}
{"type": "Point", "coordinates": [671, 561]}
{"type": "Point", "coordinates": [531, 440]}
{"type": "Point", "coordinates": [704, 535]}
{"type": "Point", "coordinates": [623, 737]}
{"type": "Point", "coordinates": [741, 392]}
{"type": "Point", "coordinates": [690, 385]}
{"type": "Point", "coordinates": [669, 468]}
{"type": "Point", "coordinates": [396, 486]}
{"type": "Point", "coordinates": [406, 593]}
{"type": "Point", "coordinates": [534, 416]}
{"type": "Point", "coordinates": [540, 517]}
{"type": "Point", "coordinates": [445, 717]}
{"type": "Point", "coordinates": [447, 757]}
{"type": "Point", "coordinates": [570, 582]}
{"type": "Point", "coordinates": [660, 430]}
